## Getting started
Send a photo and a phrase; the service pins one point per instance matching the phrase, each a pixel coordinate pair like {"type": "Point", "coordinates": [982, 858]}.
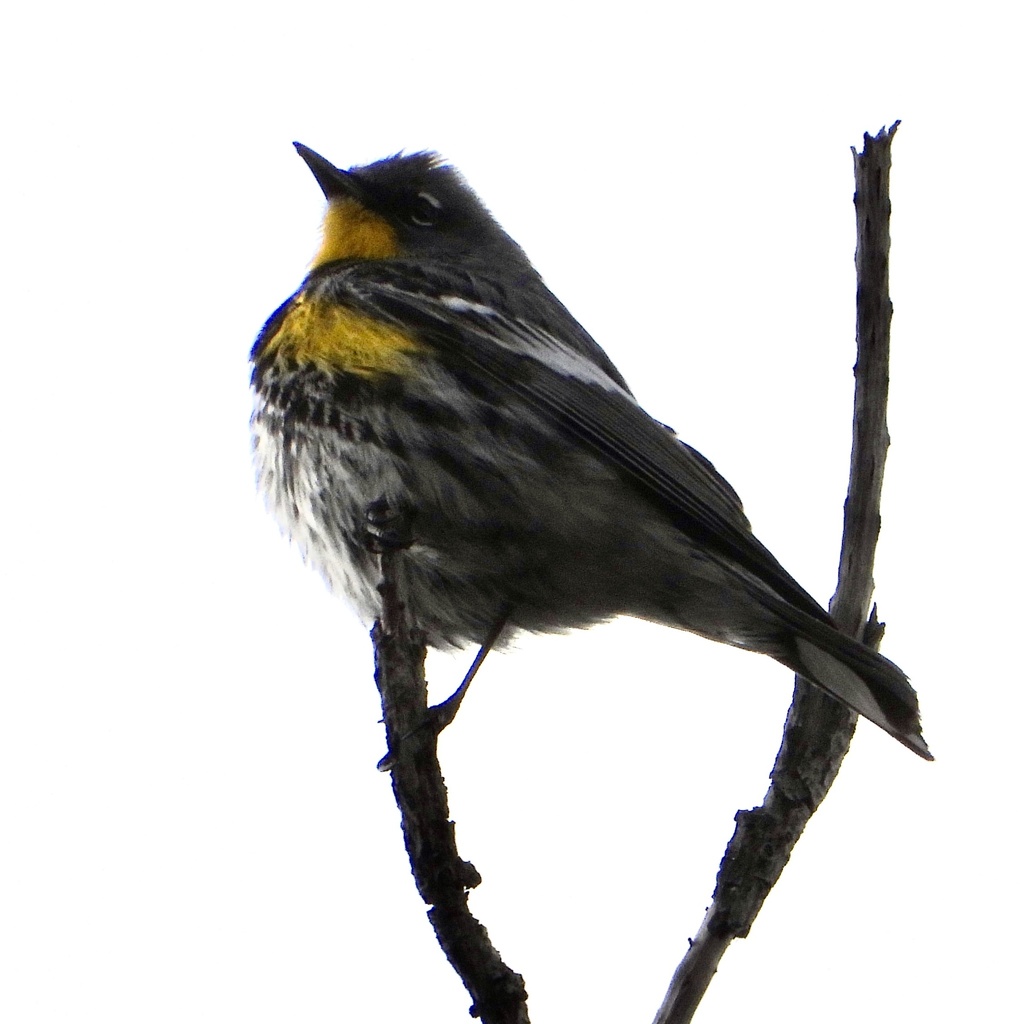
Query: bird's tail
{"type": "Point", "coordinates": [857, 676]}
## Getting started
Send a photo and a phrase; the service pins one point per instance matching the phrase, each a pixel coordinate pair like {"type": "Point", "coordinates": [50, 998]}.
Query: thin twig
{"type": "Point", "coordinates": [442, 877]}
{"type": "Point", "coordinates": [818, 729]}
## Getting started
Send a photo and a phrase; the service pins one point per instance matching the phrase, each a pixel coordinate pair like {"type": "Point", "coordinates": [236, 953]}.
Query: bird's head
{"type": "Point", "coordinates": [406, 206]}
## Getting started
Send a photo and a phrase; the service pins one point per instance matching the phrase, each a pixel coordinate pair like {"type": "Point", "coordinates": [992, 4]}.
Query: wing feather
{"type": "Point", "coordinates": [557, 369]}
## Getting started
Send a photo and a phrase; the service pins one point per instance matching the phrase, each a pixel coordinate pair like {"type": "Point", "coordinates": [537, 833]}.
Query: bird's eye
{"type": "Point", "coordinates": [424, 210]}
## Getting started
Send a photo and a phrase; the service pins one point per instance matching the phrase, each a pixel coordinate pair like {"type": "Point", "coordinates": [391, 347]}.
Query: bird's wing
{"type": "Point", "coordinates": [551, 368]}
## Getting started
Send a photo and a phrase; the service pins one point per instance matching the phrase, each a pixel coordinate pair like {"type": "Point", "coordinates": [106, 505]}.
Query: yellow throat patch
{"type": "Point", "coordinates": [316, 331]}
{"type": "Point", "coordinates": [352, 232]}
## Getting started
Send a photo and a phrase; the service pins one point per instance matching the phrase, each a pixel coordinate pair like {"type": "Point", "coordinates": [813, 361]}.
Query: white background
{"type": "Point", "coordinates": [192, 826]}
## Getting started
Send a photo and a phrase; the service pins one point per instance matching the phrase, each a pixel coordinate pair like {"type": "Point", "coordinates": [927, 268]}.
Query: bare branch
{"type": "Point", "coordinates": [818, 729]}
{"type": "Point", "coordinates": [442, 877]}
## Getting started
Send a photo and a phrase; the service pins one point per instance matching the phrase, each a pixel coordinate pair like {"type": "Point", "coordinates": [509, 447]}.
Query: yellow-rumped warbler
{"type": "Point", "coordinates": [423, 365]}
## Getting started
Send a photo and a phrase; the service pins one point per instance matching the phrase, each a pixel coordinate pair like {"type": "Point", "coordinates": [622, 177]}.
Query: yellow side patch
{"type": "Point", "coordinates": [352, 232]}
{"type": "Point", "coordinates": [337, 338]}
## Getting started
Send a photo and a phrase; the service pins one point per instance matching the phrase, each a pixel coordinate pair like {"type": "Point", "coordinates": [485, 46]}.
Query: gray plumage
{"type": "Point", "coordinates": [540, 491]}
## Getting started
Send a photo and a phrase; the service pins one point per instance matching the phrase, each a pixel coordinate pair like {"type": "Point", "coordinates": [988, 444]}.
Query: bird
{"type": "Point", "coordinates": [424, 372]}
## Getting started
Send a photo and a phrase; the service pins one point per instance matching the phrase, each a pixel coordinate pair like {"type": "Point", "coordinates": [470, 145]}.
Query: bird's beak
{"type": "Point", "coordinates": [332, 180]}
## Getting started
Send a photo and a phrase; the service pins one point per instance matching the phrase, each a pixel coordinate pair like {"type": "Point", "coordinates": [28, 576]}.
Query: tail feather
{"type": "Point", "coordinates": [864, 695]}
{"type": "Point", "coordinates": [861, 679]}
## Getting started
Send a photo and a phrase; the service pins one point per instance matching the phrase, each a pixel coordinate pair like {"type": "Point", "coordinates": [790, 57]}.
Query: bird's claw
{"type": "Point", "coordinates": [388, 527]}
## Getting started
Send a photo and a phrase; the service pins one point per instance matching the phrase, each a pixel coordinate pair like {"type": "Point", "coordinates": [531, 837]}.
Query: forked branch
{"type": "Point", "coordinates": [817, 733]}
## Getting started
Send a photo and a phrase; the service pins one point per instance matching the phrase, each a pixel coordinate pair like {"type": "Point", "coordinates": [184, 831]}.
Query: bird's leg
{"type": "Point", "coordinates": [440, 716]}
